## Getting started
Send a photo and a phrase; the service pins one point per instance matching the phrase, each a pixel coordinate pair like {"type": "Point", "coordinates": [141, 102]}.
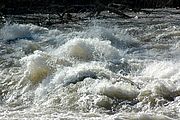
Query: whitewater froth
{"type": "Point", "coordinates": [20, 31]}
{"type": "Point", "coordinates": [99, 72]}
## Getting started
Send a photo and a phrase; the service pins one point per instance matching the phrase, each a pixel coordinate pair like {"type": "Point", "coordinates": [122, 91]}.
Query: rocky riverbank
{"type": "Point", "coordinates": [54, 6]}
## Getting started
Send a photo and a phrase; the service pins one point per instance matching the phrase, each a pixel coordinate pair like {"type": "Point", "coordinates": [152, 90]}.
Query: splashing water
{"type": "Point", "coordinates": [109, 69]}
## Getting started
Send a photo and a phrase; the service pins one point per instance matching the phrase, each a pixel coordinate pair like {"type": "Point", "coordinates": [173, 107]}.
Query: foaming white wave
{"type": "Point", "coordinates": [84, 87]}
{"type": "Point", "coordinates": [54, 37]}
{"type": "Point", "coordinates": [157, 92]}
{"type": "Point", "coordinates": [28, 47]}
{"type": "Point", "coordinates": [117, 38]}
{"type": "Point", "coordinates": [40, 65]}
{"type": "Point", "coordinates": [81, 71]}
{"type": "Point", "coordinates": [91, 78]}
{"type": "Point", "coordinates": [79, 88]}
{"type": "Point", "coordinates": [37, 67]}
{"type": "Point", "coordinates": [163, 70]}
{"type": "Point", "coordinates": [88, 49]}
{"type": "Point", "coordinates": [48, 114]}
{"type": "Point", "coordinates": [162, 81]}
{"type": "Point", "coordinates": [100, 32]}
{"type": "Point", "coordinates": [79, 75]}
{"type": "Point", "coordinates": [141, 116]}
{"type": "Point", "coordinates": [120, 90]}
{"type": "Point", "coordinates": [20, 31]}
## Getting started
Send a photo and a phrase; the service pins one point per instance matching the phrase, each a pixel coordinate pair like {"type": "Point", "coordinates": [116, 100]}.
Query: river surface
{"type": "Point", "coordinates": [100, 68]}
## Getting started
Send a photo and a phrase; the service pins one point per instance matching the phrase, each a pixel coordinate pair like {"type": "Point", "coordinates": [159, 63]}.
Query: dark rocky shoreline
{"type": "Point", "coordinates": [67, 11]}
{"type": "Point", "coordinates": [54, 6]}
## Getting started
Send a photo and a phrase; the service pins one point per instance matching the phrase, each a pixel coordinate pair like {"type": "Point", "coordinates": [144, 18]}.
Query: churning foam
{"type": "Point", "coordinates": [37, 67]}
{"type": "Point", "coordinates": [20, 31]}
{"type": "Point", "coordinates": [81, 72]}
{"type": "Point", "coordinates": [88, 49]}
{"type": "Point", "coordinates": [162, 81]}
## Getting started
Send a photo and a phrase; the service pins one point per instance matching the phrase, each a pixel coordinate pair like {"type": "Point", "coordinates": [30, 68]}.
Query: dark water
{"type": "Point", "coordinates": [103, 68]}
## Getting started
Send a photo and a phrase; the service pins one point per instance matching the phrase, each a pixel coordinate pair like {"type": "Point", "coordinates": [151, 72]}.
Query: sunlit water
{"type": "Point", "coordinates": [95, 69]}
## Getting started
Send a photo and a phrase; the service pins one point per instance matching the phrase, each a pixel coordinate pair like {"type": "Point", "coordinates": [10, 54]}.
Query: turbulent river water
{"type": "Point", "coordinates": [104, 68]}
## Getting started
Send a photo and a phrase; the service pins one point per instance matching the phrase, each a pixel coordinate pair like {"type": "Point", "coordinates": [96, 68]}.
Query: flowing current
{"type": "Point", "coordinates": [112, 68]}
